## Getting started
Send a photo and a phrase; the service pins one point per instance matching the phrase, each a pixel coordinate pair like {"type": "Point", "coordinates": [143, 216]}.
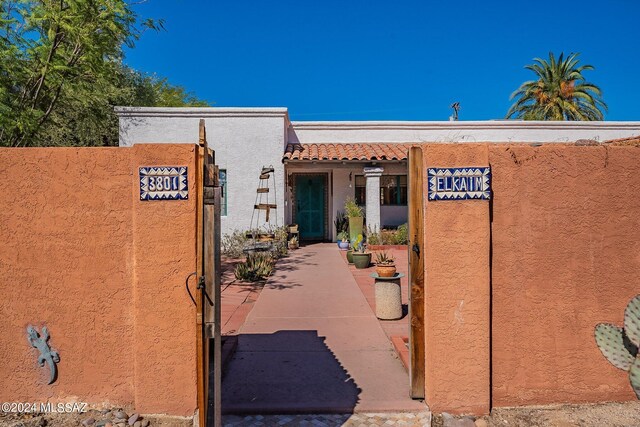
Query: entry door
{"type": "Point", "coordinates": [310, 206]}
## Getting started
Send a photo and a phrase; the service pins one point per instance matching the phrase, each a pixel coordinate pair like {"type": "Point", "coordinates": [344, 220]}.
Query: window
{"type": "Point", "coordinates": [223, 183]}
{"type": "Point", "coordinates": [393, 190]}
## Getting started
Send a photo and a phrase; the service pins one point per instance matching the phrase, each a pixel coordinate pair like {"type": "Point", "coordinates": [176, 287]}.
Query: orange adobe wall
{"type": "Point", "coordinates": [104, 272]}
{"type": "Point", "coordinates": [566, 256]}
{"type": "Point", "coordinates": [457, 293]}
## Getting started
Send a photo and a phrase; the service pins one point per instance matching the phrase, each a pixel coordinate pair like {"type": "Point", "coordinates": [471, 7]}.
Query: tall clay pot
{"type": "Point", "coordinates": [356, 224]}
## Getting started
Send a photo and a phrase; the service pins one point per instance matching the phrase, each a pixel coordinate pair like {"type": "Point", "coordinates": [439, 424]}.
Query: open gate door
{"type": "Point", "coordinates": [208, 297]}
{"type": "Point", "coordinates": [416, 275]}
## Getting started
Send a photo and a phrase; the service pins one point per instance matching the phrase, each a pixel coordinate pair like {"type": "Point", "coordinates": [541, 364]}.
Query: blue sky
{"type": "Point", "coordinates": [386, 60]}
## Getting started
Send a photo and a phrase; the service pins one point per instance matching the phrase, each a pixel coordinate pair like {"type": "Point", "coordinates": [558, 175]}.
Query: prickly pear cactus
{"type": "Point", "coordinates": [632, 320]}
{"type": "Point", "coordinates": [611, 341]}
{"type": "Point", "coordinates": [620, 345]}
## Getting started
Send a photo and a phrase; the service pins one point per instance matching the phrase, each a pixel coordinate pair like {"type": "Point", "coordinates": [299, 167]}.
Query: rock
{"type": "Point", "coordinates": [449, 420]}
{"type": "Point", "coordinates": [120, 415]}
{"type": "Point", "coordinates": [88, 422]}
{"type": "Point", "coordinates": [133, 418]}
{"type": "Point", "coordinates": [481, 423]}
{"type": "Point", "coordinates": [137, 424]}
{"type": "Point", "coordinates": [102, 423]}
{"type": "Point", "coordinates": [145, 423]}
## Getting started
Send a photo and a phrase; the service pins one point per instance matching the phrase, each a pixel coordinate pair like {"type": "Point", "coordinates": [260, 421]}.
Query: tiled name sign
{"type": "Point", "coordinates": [459, 183]}
{"type": "Point", "coordinates": [164, 183]}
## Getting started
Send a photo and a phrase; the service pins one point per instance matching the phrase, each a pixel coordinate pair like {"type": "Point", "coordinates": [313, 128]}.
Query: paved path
{"type": "Point", "coordinates": [312, 344]}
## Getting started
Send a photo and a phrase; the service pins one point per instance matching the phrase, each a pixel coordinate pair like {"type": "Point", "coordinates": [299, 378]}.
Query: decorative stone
{"type": "Point", "coordinates": [137, 424]}
{"type": "Point", "coordinates": [133, 418]}
{"type": "Point", "coordinates": [145, 423]}
{"type": "Point", "coordinates": [481, 423]}
{"type": "Point", "coordinates": [88, 422]}
{"type": "Point", "coordinates": [120, 415]}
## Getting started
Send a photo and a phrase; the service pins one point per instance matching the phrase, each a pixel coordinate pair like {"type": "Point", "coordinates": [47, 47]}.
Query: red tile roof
{"type": "Point", "coordinates": [634, 140]}
{"type": "Point", "coordinates": [352, 151]}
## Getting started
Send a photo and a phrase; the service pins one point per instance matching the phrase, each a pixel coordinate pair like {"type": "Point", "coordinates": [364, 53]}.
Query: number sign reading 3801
{"type": "Point", "coordinates": [164, 183]}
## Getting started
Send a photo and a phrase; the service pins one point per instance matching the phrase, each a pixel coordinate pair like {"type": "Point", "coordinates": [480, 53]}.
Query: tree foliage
{"type": "Point", "coordinates": [560, 92]}
{"type": "Point", "coordinates": [61, 71]}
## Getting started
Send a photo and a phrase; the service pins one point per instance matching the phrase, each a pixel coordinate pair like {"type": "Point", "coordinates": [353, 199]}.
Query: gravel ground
{"type": "Point", "coordinates": [601, 415]}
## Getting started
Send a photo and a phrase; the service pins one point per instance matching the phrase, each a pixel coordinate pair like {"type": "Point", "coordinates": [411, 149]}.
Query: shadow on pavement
{"type": "Point", "coordinates": [286, 372]}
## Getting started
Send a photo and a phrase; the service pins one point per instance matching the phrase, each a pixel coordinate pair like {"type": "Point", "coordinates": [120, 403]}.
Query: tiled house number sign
{"type": "Point", "coordinates": [164, 183]}
{"type": "Point", "coordinates": [459, 183]}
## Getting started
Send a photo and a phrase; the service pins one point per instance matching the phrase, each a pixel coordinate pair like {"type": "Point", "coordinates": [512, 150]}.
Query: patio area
{"type": "Point", "coordinates": [312, 344]}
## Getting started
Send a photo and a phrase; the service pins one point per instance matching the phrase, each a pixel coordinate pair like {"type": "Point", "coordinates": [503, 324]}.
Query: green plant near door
{"type": "Point", "coordinates": [356, 219]}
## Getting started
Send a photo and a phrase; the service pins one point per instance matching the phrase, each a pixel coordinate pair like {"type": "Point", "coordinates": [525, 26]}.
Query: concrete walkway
{"type": "Point", "coordinates": [312, 344]}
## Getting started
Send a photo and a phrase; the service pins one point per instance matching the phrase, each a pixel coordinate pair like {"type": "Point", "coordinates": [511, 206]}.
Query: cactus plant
{"type": "Point", "coordinates": [620, 345]}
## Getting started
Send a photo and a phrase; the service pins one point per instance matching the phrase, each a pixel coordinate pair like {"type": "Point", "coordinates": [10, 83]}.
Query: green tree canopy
{"type": "Point", "coordinates": [61, 71]}
{"type": "Point", "coordinates": [560, 92]}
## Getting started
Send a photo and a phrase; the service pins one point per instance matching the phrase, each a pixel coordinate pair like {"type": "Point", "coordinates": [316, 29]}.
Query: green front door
{"type": "Point", "coordinates": [309, 201]}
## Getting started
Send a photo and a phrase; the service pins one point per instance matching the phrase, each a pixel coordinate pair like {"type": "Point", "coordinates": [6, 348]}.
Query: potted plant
{"type": "Point", "coordinates": [343, 240]}
{"type": "Point", "coordinates": [342, 223]}
{"type": "Point", "coordinates": [355, 215]}
{"type": "Point", "coordinates": [361, 258]}
{"type": "Point", "coordinates": [385, 265]}
{"type": "Point", "coordinates": [293, 243]}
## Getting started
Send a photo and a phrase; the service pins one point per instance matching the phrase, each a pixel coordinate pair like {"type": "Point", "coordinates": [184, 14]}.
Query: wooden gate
{"type": "Point", "coordinates": [208, 294]}
{"type": "Point", "coordinates": [416, 274]}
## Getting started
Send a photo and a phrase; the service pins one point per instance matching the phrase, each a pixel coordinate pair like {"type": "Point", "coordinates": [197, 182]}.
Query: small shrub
{"type": "Point", "coordinates": [402, 235]}
{"type": "Point", "coordinates": [258, 266]}
{"type": "Point", "coordinates": [234, 243]}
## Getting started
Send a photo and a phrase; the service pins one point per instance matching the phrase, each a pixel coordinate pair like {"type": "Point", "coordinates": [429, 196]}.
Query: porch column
{"type": "Point", "coordinates": [372, 211]}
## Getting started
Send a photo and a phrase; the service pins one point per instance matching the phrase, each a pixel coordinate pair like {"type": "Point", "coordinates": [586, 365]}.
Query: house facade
{"type": "Point", "coordinates": [318, 165]}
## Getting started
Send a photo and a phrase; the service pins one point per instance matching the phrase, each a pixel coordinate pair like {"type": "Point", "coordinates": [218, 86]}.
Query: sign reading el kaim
{"type": "Point", "coordinates": [459, 183]}
{"type": "Point", "coordinates": [164, 183]}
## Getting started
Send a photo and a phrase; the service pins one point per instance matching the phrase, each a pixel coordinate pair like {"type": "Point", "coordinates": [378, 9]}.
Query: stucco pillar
{"type": "Point", "coordinates": [457, 291]}
{"type": "Point", "coordinates": [372, 211]}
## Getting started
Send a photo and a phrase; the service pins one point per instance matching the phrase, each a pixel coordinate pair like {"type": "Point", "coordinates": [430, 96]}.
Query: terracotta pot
{"type": "Point", "coordinates": [388, 270]}
{"type": "Point", "coordinates": [361, 260]}
{"type": "Point", "coordinates": [350, 256]}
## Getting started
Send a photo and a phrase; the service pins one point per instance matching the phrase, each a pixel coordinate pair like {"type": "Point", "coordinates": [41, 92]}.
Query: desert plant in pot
{"type": "Point", "coordinates": [385, 265]}
{"type": "Point", "coordinates": [355, 215]}
{"type": "Point", "coordinates": [293, 243]}
{"type": "Point", "coordinates": [361, 258]}
{"type": "Point", "coordinates": [343, 240]}
{"type": "Point", "coordinates": [342, 223]}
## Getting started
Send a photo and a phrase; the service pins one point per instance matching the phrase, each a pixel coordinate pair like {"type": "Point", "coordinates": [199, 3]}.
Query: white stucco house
{"type": "Point", "coordinates": [317, 165]}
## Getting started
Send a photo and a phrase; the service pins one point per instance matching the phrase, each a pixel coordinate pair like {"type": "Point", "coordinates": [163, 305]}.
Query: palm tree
{"type": "Point", "coordinates": [559, 93]}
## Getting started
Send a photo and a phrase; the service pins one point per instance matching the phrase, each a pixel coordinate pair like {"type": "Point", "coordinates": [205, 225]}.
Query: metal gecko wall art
{"type": "Point", "coordinates": [47, 354]}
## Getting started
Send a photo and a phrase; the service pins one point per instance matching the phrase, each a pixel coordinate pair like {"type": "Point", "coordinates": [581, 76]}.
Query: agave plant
{"type": "Point", "coordinates": [258, 266]}
{"type": "Point", "coordinates": [620, 345]}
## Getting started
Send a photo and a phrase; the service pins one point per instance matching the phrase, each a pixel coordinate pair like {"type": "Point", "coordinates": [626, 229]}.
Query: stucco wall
{"type": "Point", "coordinates": [104, 272]}
{"type": "Point", "coordinates": [566, 256]}
{"type": "Point", "coordinates": [244, 140]}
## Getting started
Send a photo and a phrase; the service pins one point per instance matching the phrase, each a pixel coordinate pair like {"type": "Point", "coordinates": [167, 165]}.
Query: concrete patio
{"type": "Point", "coordinates": [312, 344]}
